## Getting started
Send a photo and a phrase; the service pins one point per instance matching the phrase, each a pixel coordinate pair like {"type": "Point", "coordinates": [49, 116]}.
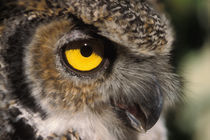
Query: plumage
{"type": "Point", "coordinates": [45, 95]}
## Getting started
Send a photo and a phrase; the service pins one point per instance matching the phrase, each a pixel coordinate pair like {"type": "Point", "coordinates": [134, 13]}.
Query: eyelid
{"type": "Point", "coordinates": [77, 35]}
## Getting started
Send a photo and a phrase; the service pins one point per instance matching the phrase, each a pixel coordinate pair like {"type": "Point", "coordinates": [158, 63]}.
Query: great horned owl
{"type": "Point", "coordinates": [84, 69]}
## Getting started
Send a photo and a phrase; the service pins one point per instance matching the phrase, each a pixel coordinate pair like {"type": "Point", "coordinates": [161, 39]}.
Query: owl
{"type": "Point", "coordinates": [84, 70]}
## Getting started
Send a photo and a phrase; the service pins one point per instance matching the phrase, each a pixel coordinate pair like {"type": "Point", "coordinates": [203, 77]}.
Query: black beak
{"type": "Point", "coordinates": [143, 115]}
{"type": "Point", "coordinates": [151, 109]}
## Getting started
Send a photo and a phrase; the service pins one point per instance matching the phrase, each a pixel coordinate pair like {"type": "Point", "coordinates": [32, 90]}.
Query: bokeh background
{"type": "Point", "coordinates": [190, 120]}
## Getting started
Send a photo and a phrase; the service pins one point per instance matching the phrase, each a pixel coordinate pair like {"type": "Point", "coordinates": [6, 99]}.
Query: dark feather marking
{"type": "Point", "coordinates": [14, 57]}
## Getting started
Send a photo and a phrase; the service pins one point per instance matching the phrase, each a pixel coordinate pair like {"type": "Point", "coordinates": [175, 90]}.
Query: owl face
{"type": "Point", "coordinates": [78, 68]}
{"type": "Point", "coordinates": [91, 57]}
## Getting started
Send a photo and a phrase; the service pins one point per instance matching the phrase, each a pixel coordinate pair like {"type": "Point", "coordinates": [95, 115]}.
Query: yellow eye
{"type": "Point", "coordinates": [84, 55]}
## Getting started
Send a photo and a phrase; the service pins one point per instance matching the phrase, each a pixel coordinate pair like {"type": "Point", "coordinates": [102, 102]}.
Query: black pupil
{"type": "Point", "coordinates": [86, 50]}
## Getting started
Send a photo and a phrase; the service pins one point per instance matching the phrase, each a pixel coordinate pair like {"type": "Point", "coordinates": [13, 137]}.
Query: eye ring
{"type": "Point", "coordinates": [84, 50]}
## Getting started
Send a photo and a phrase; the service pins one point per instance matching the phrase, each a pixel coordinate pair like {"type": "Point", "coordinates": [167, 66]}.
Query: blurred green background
{"type": "Point", "coordinates": [190, 120]}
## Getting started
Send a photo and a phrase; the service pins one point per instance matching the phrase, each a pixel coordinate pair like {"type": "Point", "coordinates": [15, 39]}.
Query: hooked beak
{"type": "Point", "coordinates": [142, 116]}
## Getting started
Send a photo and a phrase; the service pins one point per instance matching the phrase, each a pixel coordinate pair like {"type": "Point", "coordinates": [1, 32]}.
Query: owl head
{"type": "Point", "coordinates": [107, 58]}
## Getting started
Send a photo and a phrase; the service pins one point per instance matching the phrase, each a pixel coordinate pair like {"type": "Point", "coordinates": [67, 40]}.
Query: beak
{"type": "Point", "coordinates": [143, 116]}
